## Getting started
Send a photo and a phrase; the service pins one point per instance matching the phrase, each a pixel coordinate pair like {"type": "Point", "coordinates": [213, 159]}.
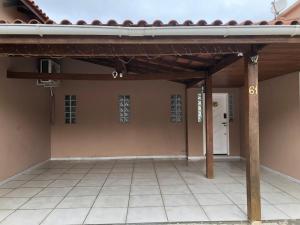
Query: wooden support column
{"type": "Point", "coordinates": [252, 138]}
{"type": "Point", "coordinates": [209, 128]}
{"type": "Point", "coordinates": [186, 124]}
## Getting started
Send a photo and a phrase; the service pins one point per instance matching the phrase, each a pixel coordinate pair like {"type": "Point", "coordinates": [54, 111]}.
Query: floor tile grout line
{"type": "Point", "coordinates": [269, 203]}
{"type": "Point", "coordinates": [13, 211]}
{"type": "Point", "coordinates": [63, 198]}
{"type": "Point", "coordinates": [274, 205]}
{"type": "Point", "coordinates": [282, 190]}
{"type": "Point", "coordinates": [192, 194]}
{"type": "Point", "coordinates": [13, 189]}
{"type": "Point", "coordinates": [227, 196]}
{"type": "Point", "coordinates": [128, 204]}
{"type": "Point", "coordinates": [30, 198]}
{"type": "Point", "coordinates": [160, 191]}
{"type": "Point", "coordinates": [90, 209]}
{"type": "Point", "coordinates": [178, 167]}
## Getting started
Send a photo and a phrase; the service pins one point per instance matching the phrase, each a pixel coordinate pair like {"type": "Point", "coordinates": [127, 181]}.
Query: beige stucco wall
{"type": "Point", "coordinates": [150, 132]}
{"type": "Point", "coordinates": [10, 13]}
{"type": "Point", "coordinates": [279, 124]}
{"type": "Point", "coordinates": [98, 131]}
{"type": "Point", "coordinates": [24, 120]}
{"type": "Point", "coordinates": [292, 14]}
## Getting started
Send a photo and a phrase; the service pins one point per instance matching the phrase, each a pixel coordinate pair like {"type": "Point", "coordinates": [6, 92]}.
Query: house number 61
{"type": "Point", "coordinates": [253, 90]}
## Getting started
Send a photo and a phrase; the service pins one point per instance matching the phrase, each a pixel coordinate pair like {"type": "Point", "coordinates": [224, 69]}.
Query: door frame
{"type": "Point", "coordinates": [204, 123]}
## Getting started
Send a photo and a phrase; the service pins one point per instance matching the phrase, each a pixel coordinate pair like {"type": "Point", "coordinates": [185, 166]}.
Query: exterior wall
{"type": "Point", "coordinates": [10, 13]}
{"type": "Point", "coordinates": [24, 119]}
{"type": "Point", "coordinates": [292, 13]}
{"type": "Point", "coordinates": [280, 124]}
{"type": "Point", "coordinates": [98, 132]}
{"type": "Point", "coordinates": [150, 133]}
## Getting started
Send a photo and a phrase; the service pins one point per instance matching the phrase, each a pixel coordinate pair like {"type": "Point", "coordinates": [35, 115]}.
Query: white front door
{"type": "Point", "coordinates": [220, 123]}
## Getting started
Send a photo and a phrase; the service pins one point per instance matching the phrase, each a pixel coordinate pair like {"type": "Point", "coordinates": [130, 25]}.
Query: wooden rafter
{"type": "Point", "coordinates": [74, 76]}
{"type": "Point", "coordinates": [159, 66]}
{"type": "Point", "coordinates": [226, 61]}
{"type": "Point", "coordinates": [195, 58]}
{"type": "Point", "coordinates": [160, 62]}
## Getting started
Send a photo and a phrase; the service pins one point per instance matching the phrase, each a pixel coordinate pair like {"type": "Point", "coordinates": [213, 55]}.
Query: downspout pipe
{"type": "Point", "coordinates": [89, 30]}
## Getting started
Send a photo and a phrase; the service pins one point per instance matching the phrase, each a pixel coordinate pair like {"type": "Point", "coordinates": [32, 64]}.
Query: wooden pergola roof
{"type": "Point", "coordinates": [216, 55]}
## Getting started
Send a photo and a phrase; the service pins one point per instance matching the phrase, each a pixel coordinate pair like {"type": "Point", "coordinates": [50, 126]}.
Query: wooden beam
{"type": "Point", "coordinates": [74, 76]}
{"type": "Point", "coordinates": [176, 61]}
{"type": "Point", "coordinates": [226, 61]}
{"type": "Point", "coordinates": [104, 50]}
{"type": "Point", "coordinates": [252, 137]}
{"type": "Point", "coordinates": [209, 128]}
{"type": "Point", "coordinates": [197, 40]}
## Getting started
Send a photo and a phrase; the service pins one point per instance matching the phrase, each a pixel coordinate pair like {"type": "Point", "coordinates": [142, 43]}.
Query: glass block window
{"type": "Point", "coordinates": [70, 109]}
{"type": "Point", "coordinates": [176, 109]}
{"type": "Point", "coordinates": [124, 108]}
{"type": "Point", "coordinates": [231, 107]}
{"type": "Point", "coordinates": [200, 107]}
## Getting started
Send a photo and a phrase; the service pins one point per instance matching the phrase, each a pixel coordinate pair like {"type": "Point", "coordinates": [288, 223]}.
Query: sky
{"type": "Point", "coordinates": [164, 10]}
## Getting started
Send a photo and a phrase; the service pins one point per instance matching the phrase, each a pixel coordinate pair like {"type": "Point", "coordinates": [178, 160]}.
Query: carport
{"type": "Point", "coordinates": [195, 55]}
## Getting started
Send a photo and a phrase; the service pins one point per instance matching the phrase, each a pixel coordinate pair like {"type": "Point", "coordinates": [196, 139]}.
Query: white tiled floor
{"type": "Point", "coordinates": [140, 191]}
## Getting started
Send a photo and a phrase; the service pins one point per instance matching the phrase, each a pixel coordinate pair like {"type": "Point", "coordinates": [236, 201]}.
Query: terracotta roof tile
{"type": "Point", "coordinates": [231, 23]}
{"type": "Point", "coordinates": [158, 23]}
{"type": "Point", "coordinates": [142, 23]}
{"type": "Point", "coordinates": [35, 9]}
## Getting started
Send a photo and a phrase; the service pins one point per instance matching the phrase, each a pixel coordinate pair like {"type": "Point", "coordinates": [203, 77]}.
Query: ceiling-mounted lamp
{"type": "Point", "coordinates": [115, 74]}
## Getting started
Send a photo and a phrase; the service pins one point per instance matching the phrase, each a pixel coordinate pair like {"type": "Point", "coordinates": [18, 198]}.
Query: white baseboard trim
{"type": "Point", "coordinates": [118, 158]}
{"type": "Point", "coordinates": [216, 158]}
{"type": "Point", "coordinates": [230, 158]}
{"type": "Point", "coordinates": [196, 158]}
{"type": "Point", "coordinates": [24, 171]}
{"type": "Point", "coordinates": [192, 158]}
{"type": "Point", "coordinates": [277, 172]}
{"type": "Point", "coordinates": [281, 174]}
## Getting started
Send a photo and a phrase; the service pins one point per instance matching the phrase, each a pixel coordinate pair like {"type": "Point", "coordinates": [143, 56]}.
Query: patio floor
{"type": "Point", "coordinates": [140, 191]}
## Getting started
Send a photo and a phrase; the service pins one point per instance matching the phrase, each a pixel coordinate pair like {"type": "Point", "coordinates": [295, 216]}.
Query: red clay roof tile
{"type": "Point", "coordinates": [158, 23]}
{"type": "Point", "coordinates": [35, 9]}
{"type": "Point", "coordinates": [142, 23]}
